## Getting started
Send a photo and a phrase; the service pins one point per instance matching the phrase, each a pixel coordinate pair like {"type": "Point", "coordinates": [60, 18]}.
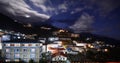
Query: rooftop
{"type": "Point", "coordinates": [22, 40]}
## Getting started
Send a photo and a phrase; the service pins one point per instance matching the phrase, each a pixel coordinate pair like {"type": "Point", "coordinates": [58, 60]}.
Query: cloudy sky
{"type": "Point", "coordinates": [97, 16]}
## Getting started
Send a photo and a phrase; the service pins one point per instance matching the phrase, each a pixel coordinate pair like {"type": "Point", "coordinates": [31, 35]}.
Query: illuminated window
{"type": "Point", "coordinates": [40, 44]}
{"type": "Point", "coordinates": [17, 60]}
{"type": "Point", "coordinates": [7, 60]}
{"type": "Point", "coordinates": [26, 44]}
{"type": "Point", "coordinates": [5, 37]}
{"type": "Point", "coordinates": [17, 55]}
{"type": "Point", "coordinates": [32, 55]}
{"type": "Point", "coordinates": [17, 45]}
{"type": "Point", "coordinates": [51, 39]}
{"type": "Point", "coordinates": [7, 44]}
{"type": "Point", "coordinates": [33, 44]}
{"type": "Point", "coordinates": [33, 50]}
{"type": "Point", "coordinates": [7, 50]}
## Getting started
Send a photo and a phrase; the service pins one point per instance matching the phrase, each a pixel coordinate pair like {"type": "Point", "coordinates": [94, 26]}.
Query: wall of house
{"type": "Point", "coordinates": [26, 52]}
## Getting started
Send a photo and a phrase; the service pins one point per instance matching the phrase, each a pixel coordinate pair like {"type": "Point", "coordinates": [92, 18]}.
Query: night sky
{"type": "Point", "coordinates": [100, 17]}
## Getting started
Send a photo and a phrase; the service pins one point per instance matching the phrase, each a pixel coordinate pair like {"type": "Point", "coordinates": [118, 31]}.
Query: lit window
{"type": "Point", "coordinates": [17, 60]}
{"type": "Point", "coordinates": [26, 44]}
{"type": "Point", "coordinates": [7, 50]}
{"type": "Point", "coordinates": [33, 50]}
{"type": "Point", "coordinates": [7, 60]}
{"type": "Point", "coordinates": [51, 39]}
{"type": "Point", "coordinates": [17, 45]}
{"type": "Point", "coordinates": [5, 37]}
{"type": "Point", "coordinates": [41, 44]}
{"type": "Point", "coordinates": [33, 44]}
{"type": "Point", "coordinates": [32, 55]}
{"type": "Point", "coordinates": [7, 44]}
{"type": "Point", "coordinates": [17, 55]}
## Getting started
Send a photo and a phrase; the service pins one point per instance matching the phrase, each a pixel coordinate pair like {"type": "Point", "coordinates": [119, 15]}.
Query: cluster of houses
{"type": "Point", "coordinates": [26, 49]}
{"type": "Point", "coordinates": [57, 48]}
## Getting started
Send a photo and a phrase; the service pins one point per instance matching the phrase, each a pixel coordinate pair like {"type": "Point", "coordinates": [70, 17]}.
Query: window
{"type": "Point", "coordinates": [7, 44]}
{"type": "Point", "coordinates": [25, 50]}
{"type": "Point", "coordinates": [22, 44]}
{"type": "Point", "coordinates": [17, 45]}
{"type": "Point", "coordinates": [33, 44]}
{"type": "Point", "coordinates": [32, 56]}
{"type": "Point", "coordinates": [30, 44]}
{"type": "Point", "coordinates": [17, 55]}
{"type": "Point", "coordinates": [7, 50]}
{"type": "Point", "coordinates": [32, 49]}
{"type": "Point", "coordinates": [7, 60]}
{"type": "Point", "coordinates": [16, 50]}
{"type": "Point", "coordinates": [7, 56]}
{"type": "Point", "coordinates": [25, 56]}
{"type": "Point", "coordinates": [17, 60]}
{"type": "Point", "coordinates": [40, 56]}
{"type": "Point", "coordinates": [26, 44]}
{"type": "Point", "coordinates": [41, 44]}
{"type": "Point", "coordinates": [26, 60]}
{"type": "Point", "coordinates": [5, 37]}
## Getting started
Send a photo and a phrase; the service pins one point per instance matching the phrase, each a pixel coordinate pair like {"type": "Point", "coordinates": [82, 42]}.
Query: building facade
{"type": "Point", "coordinates": [22, 50]}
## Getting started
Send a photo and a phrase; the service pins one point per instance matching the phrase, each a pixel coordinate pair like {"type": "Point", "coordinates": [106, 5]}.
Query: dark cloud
{"type": "Point", "coordinates": [77, 15]}
{"type": "Point", "coordinates": [18, 8]}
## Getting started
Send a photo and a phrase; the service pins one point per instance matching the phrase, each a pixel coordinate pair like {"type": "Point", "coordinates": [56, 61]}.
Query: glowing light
{"type": "Point", "coordinates": [106, 50]}
{"type": "Point", "coordinates": [7, 60]}
{"type": "Point", "coordinates": [27, 16]}
{"type": "Point", "coordinates": [91, 46]}
{"type": "Point", "coordinates": [26, 44]}
{"type": "Point", "coordinates": [61, 30]}
{"type": "Point", "coordinates": [88, 38]}
{"type": "Point", "coordinates": [0, 29]}
{"type": "Point", "coordinates": [18, 37]}
{"type": "Point", "coordinates": [17, 45]}
{"type": "Point", "coordinates": [81, 44]}
{"type": "Point", "coordinates": [81, 51]}
{"type": "Point", "coordinates": [45, 28]}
